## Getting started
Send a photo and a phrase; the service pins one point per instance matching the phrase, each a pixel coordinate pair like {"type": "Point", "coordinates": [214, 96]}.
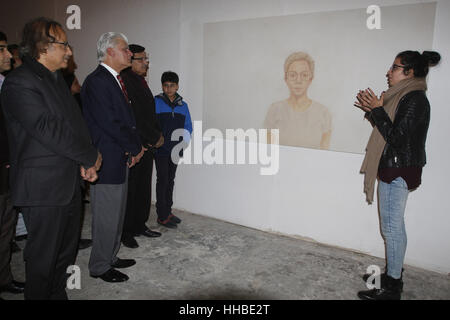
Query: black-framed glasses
{"type": "Point", "coordinates": [396, 66]}
{"type": "Point", "coordinates": [65, 44]}
{"type": "Point", "coordinates": [141, 59]}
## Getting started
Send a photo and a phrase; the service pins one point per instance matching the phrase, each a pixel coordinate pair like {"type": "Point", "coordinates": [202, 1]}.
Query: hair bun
{"type": "Point", "coordinates": [432, 57]}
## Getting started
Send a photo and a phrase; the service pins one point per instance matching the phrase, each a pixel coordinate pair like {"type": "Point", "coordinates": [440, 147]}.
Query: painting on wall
{"type": "Point", "coordinates": [300, 73]}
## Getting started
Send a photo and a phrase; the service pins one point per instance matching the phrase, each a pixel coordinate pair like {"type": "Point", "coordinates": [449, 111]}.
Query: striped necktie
{"type": "Point", "coordinates": [124, 90]}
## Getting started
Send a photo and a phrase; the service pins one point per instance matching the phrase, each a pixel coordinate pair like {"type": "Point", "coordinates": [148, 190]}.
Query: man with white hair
{"type": "Point", "coordinates": [112, 125]}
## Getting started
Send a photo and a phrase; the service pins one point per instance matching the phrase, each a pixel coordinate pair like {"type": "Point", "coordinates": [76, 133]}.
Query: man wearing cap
{"type": "Point", "coordinates": [140, 176]}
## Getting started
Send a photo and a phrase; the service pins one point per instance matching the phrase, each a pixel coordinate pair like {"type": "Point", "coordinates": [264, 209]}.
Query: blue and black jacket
{"type": "Point", "coordinates": [171, 116]}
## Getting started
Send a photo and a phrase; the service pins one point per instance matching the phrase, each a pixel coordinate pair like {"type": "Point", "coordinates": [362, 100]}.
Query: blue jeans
{"type": "Point", "coordinates": [392, 202]}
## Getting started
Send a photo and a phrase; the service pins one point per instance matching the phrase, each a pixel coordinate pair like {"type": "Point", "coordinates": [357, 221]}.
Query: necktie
{"type": "Point", "coordinates": [124, 90]}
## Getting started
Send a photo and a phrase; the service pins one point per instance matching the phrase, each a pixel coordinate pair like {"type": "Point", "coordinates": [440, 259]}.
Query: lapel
{"type": "Point", "coordinates": [116, 85]}
{"type": "Point", "coordinates": [118, 90]}
{"type": "Point", "coordinates": [121, 104]}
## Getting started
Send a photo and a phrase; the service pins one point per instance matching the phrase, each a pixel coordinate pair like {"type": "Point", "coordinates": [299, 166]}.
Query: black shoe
{"type": "Point", "coordinates": [150, 233]}
{"type": "Point", "coordinates": [84, 243]}
{"type": "Point", "coordinates": [130, 242]}
{"type": "Point", "coordinates": [123, 263]}
{"type": "Point", "coordinates": [14, 287]}
{"type": "Point", "coordinates": [14, 247]}
{"type": "Point", "coordinates": [366, 276]}
{"type": "Point", "coordinates": [167, 223]}
{"type": "Point", "coordinates": [112, 275]}
{"type": "Point", "coordinates": [390, 290]}
{"type": "Point", "coordinates": [174, 219]}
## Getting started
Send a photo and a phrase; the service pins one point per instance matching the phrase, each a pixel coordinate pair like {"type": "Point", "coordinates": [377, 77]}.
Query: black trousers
{"type": "Point", "coordinates": [139, 196]}
{"type": "Point", "coordinates": [8, 220]}
{"type": "Point", "coordinates": [53, 234]}
{"type": "Point", "coordinates": [165, 180]}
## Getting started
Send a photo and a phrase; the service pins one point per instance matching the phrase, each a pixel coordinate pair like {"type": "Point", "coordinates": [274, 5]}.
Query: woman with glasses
{"type": "Point", "coordinates": [301, 121]}
{"type": "Point", "coordinates": [395, 154]}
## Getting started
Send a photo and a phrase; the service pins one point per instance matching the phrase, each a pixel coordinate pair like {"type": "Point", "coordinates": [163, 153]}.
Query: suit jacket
{"type": "Point", "coordinates": [111, 122]}
{"type": "Point", "coordinates": [48, 137]}
{"type": "Point", "coordinates": [4, 155]}
{"type": "Point", "coordinates": [143, 105]}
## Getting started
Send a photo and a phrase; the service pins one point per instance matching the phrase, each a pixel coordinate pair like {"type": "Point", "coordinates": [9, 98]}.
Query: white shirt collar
{"type": "Point", "coordinates": [112, 71]}
{"type": "Point", "coordinates": [2, 78]}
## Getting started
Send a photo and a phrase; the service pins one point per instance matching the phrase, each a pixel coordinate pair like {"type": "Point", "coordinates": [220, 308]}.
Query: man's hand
{"type": "Point", "coordinates": [160, 142]}
{"type": "Point", "coordinates": [131, 163]}
{"type": "Point", "coordinates": [137, 158]}
{"type": "Point", "coordinates": [140, 154]}
{"type": "Point", "coordinates": [89, 174]}
{"type": "Point", "coordinates": [98, 162]}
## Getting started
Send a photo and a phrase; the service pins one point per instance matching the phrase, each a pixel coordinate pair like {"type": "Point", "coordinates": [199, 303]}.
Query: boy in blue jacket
{"type": "Point", "coordinates": [172, 113]}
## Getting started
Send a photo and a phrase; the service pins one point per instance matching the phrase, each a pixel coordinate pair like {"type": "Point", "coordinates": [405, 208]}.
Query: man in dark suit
{"type": "Point", "coordinates": [140, 178]}
{"type": "Point", "coordinates": [110, 119]}
{"type": "Point", "coordinates": [8, 215]}
{"type": "Point", "coordinates": [48, 141]}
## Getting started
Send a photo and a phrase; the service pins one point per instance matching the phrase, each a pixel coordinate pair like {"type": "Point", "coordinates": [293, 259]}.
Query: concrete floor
{"type": "Point", "coordinates": [210, 259]}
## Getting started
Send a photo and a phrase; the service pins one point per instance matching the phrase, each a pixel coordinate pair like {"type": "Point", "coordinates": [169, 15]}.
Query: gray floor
{"type": "Point", "coordinates": [209, 259]}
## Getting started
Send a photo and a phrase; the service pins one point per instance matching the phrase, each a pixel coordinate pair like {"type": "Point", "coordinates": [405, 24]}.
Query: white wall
{"type": "Point", "coordinates": [153, 24]}
{"type": "Point", "coordinates": [316, 194]}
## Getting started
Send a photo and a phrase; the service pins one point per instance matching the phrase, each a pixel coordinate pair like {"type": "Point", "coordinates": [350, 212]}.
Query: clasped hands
{"type": "Point", "coordinates": [160, 142]}
{"type": "Point", "coordinates": [90, 174]}
{"type": "Point", "coordinates": [136, 159]}
{"type": "Point", "coordinates": [132, 163]}
{"type": "Point", "coordinates": [368, 100]}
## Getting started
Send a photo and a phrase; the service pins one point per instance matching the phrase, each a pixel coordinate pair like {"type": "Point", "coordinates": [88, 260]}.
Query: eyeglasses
{"type": "Point", "coordinates": [396, 66]}
{"type": "Point", "coordinates": [146, 59]}
{"type": "Point", "coordinates": [293, 76]}
{"type": "Point", "coordinates": [65, 44]}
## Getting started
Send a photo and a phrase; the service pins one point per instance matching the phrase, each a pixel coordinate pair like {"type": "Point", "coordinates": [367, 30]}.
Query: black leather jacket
{"type": "Point", "coordinates": [405, 138]}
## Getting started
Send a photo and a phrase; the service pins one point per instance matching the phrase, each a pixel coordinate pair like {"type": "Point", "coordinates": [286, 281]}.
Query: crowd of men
{"type": "Point", "coordinates": [50, 147]}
